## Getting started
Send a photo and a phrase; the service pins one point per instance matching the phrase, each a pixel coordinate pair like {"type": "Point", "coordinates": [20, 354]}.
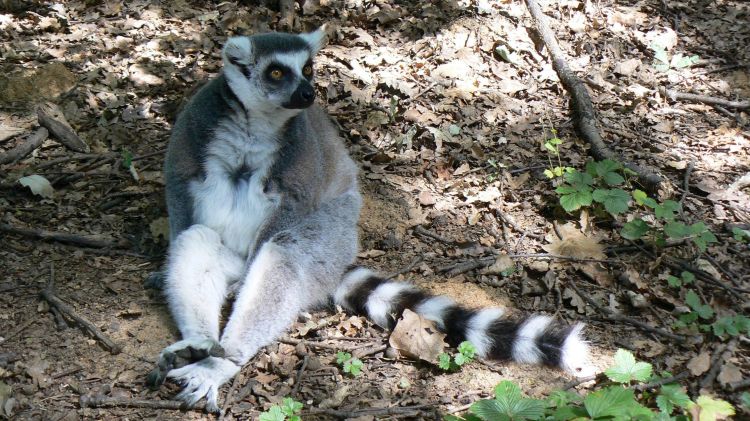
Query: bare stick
{"type": "Point", "coordinates": [374, 412]}
{"type": "Point", "coordinates": [292, 341]}
{"type": "Point", "coordinates": [508, 220]}
{"type": "Point", "coordinates": [427, 233]}
{"type": "Point", "coordinates": [704, 99]}
{"type": "Point", "coordinates": [739, 385]}
{"type": "Point", "coordinates": [575, 382]}
{"type": "Point", "coordinates": [99, 401]}
{"type": "Point", "coordinates": [407, 269]}
{"type": "Point", "coordinates": [68, 311]}
{"type": "Point", "coordinates": [723, 353]}
{"type": "Point", "coordinates": [94, 241]}
{"type": "Point", "coordinates": [25, 148]}
{"type": "Point", "coordinates": [686, 184]}
{"type": "Point", "coordinates": [229, 399]}
{"type": "Point", "coordinates": [621, 318]}
{"type": "Point", "coordinates": [59, 128]}
{"type": "Point", "coordinates": [298, 378]}
{"type": "Point", "coordinates": [653, 385]}
{"type": "Point", "coordinates": [584, 117]}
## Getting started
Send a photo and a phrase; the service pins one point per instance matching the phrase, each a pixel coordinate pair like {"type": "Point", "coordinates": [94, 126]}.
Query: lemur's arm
{"type": "Point", "coordinates": [296, 269]}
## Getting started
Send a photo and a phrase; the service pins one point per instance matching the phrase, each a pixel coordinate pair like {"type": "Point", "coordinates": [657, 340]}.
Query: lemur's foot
{"type": "Point", "coordinates": [181, 354]}
{"type": "Point", "coordinates": [203, 379]}
{"type": "Point", "coordinates": [155, 280]}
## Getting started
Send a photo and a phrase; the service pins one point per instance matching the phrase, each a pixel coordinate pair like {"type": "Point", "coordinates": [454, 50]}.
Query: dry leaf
{"type": "Point", "coordinates": [426, 198]}
{"type": "Point", "coordinates": [416, 337]}
{"type": "Point", "coordinates": [700, 363]}
{"type": "Point", "coordinates": [486, 196]}
{"type": "Point", "coordinates": [39, 185]}
{"type": "Point", "coordinates": [502, 265]}
{"type": "Point", "coordinates": [730, 373]}
{"type": "Point", "coordinates": [574, 243]}
{"type": "Point", "coordinates": [627, 67]}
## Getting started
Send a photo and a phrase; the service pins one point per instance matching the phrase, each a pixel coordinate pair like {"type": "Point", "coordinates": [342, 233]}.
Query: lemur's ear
{"type": "Point", "coordinates": [237, 51]}
{"type": "Point", "coordinates": [316, 39]}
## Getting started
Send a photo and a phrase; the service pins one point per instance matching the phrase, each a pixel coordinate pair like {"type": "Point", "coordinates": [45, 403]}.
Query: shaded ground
{"type": "Point", "coordinates": [446, 108]}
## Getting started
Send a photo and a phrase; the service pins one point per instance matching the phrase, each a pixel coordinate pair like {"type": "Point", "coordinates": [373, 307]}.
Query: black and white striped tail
{"type": "Point", "coordinates": [533, 339]}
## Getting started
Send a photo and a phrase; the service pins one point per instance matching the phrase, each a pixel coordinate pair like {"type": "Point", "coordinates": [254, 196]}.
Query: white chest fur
{"type": "Point", "coordinates": [231, 199]}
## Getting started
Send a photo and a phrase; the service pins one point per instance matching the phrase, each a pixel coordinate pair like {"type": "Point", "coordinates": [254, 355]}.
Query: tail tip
{"type": "Point", "coordinates": [575, 356]}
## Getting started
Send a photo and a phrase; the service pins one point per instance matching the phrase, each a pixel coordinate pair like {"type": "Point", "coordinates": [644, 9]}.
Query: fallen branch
{"type": "Point", "coordinates": [93, 241]}
{"type": "Point", "coordinates": [620, 318]}
{"type": "Point", "coordinates": [703, 99]}
{"type": "Point", "coordinates": [723, 353]}
{"type": "Point", "coordinates": [653, 385]}
{"type": "Point", "coordinates": [99, 401]}
{"type": "Point", "coordinates": [373, 412]}
{"type": "Point", "coordinates": [25, 148]}
{"type": "Point", "coordinates": [59, 128]}
{"type": "Point", "coordinates": [463, 267]}
{"type": "Point", "coordinates": [68, 311]}
{"type": "Point", "coordinates": [583, 111]}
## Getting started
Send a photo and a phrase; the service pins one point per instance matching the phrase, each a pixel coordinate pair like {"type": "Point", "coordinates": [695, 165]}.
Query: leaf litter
{"type": "Point", "coordinates": [445, 106]}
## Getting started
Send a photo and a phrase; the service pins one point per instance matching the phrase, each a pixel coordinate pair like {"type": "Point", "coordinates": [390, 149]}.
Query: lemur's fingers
{"type": "Point", "coordinates": [179, 355]}
{"type": "Point", "coordinates": [155, 280]}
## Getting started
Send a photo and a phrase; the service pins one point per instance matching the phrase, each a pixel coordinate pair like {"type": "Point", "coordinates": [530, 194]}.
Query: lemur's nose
{"type": "Point", "coordinates": [308, 94]}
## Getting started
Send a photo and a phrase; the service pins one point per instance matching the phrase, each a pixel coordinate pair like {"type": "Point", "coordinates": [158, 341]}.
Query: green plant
{"type": "Point", "coordinates": [663, 63]}
{"type": "Point", "coordinates": [685, 278]}
{"type": "Point", "coordinates": [553, 147]}
{"type": "Point", "coordinates": [741, 235]}
{"type": "Point", "coordinates": [287, 411]}
{"type": "Point", "coordinates": [597, 184]}
{"type": "Point", "coordinates": [465, 354]}
{"type": "Point", "coordinates": [349, 364]}
{"type": "Point", "coordinates": [614, 402]}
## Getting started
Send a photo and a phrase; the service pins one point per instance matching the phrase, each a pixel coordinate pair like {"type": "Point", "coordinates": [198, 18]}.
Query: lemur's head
{"type": "Point", "coordinates": [270, 72]}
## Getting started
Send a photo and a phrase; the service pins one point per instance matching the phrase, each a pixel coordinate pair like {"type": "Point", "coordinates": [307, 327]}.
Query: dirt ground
{"type": "Point", "coordinates": [446, 106]}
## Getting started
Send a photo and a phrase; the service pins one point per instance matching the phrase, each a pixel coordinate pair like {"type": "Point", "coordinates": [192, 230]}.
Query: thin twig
{"type": "Point", "coordinates": [704, 99]}
{"type": "Point", "coordinates": [575, 382]}
{"type": "Point", "coordinates": [68, 311]}
{"type": "Point", "coordinates": [624, 319]}
{"type": "Point", "coordinates": [100, 401]}
{"type": "Point", "coordinates": [723, 353]}
{"type": "Point", "coordinates": [686, 183]}
{"type": "Point", "coordinates": [508, 220]}
{"type": "Point", "coordinates": [374, 412]}
{"type": "Point", "coordinates": [427, 233]}
{"type": "Point", "coordinates": [26, 147]}
{"type": "Point", "coordinates": [94, 241]}
{"type": "Point", "coordinates": [229, 397]}
{"type": "Point", "coordinates": [291, 341]}
{"type": "Point", "coordinates": [417, 260]}
{"type": "Point", "coordinates": [653, 385]}
{"type": "Point", "coordinates": [298, 377]}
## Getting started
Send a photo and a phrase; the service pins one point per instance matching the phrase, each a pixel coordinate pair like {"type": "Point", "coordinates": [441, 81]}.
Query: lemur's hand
{"type": "Point", "coordinates": [180, 354]}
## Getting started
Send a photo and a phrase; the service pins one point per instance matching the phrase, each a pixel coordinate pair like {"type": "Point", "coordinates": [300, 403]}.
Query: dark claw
{"type": "Point", "coordinates": [155, 280]}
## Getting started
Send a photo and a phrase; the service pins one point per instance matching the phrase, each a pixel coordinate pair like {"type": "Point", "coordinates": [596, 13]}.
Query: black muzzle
{"type": "Point", "coordinates": [302, 97]}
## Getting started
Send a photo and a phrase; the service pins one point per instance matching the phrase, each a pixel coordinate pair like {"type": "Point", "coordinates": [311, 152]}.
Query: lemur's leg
{"type": "Point", "coordinates": [297, 268]}
{"type": "Point", "coordinates": [199, 269]}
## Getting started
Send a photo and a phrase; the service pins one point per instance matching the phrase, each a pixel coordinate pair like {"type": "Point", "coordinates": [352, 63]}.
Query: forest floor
{"type": "Point", "coordinates": [446, 107]}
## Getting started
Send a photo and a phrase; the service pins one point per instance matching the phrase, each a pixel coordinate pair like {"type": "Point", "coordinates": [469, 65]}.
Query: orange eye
{"type": "Point", "coordinates": [307, 70]}
{"type": "Point", "coordinates": [277, 74]}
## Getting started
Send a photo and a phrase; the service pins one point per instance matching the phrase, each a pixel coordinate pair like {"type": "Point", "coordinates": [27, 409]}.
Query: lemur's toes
{"type": "Point", "coordinates": [179, 355]}
{"type": "Point", "coordinates": [155, 280]}
{"type": "Point", "coordinates": [191, 354]}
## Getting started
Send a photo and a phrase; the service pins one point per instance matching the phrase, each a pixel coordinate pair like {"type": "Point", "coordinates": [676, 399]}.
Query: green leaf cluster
{"type": "Point", "coordinates": [466, 353]}
{"type": "Point", "coordinates": [741, 235]}
{"type": "Point", "coordinates": [663, 63]}
{"type": "Point", "coordinates": [594, 185]}
{"type": "Point", "coordinates": [615, 402]}
{"type": "Point", "coordinates": [288, 411]}
{"type": "Point", "coordinates": [685, 278]}
{"type": "Point", "coordinates": [349, 364]}
{"type": "Point", "coordinates": [731, 325]}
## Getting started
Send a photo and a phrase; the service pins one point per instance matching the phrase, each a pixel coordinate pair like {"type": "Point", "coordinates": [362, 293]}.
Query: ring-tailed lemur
{"type": "Point", "coordinates": [263, 200]}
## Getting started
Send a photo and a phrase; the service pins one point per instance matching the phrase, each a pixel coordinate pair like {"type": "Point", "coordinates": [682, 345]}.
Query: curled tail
{"type": "Point", "coordinates": [533, 339]}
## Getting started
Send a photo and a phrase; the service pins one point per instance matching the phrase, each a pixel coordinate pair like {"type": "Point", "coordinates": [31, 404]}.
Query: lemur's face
{"type": "Point", "coordinates": [273, 71]}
